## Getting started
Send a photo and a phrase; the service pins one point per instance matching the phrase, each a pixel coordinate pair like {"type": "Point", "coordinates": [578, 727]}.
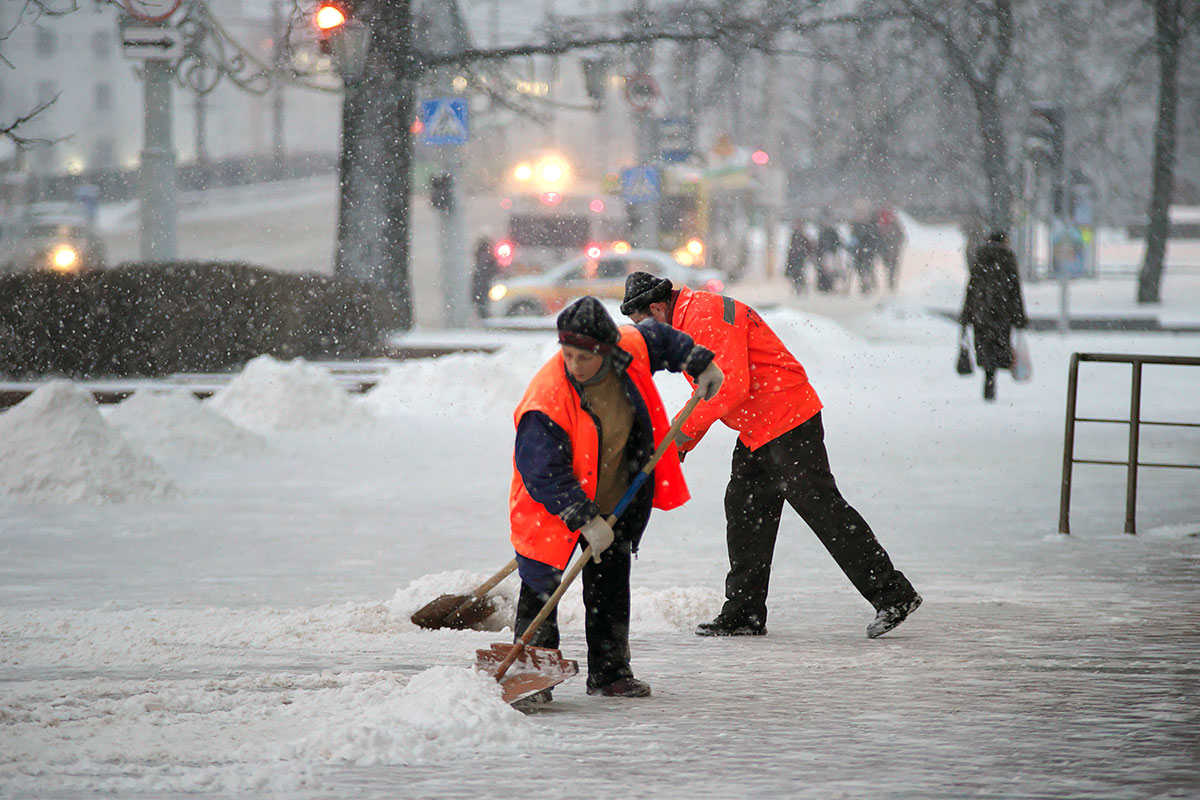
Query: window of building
{"type": "Point", "coordinates": [103, 97]}
{"type": "Point", "coordinates": [102, 44]}
{"type": "Point", "coordinates": [44, 42]}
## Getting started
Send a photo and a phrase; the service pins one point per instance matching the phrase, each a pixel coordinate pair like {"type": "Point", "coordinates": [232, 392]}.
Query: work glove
{"type": "Point", "coordinates": [599, 535]}
{"type": "Point", "coordinates": [708, 382]}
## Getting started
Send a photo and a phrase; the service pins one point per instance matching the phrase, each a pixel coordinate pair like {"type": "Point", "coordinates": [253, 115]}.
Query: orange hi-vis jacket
{"type": "Point", "coordinates": [766, 392]}
{"type": "Point", "coordinates": [542, 536]}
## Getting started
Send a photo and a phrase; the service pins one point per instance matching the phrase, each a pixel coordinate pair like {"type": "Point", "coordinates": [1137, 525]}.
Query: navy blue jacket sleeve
{"type": "Point", "coordinates": [672, 349]}
{"type": "Point", "coordinates": [543, 458]}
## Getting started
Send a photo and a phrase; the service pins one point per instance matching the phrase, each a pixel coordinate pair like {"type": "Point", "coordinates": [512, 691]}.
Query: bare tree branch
{"type": "Point", "coordinates": [10, 131]}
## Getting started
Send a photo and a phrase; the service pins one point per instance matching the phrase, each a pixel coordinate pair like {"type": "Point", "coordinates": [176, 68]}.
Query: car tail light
{"type": "Point", "coordinates": [714, 285]}
{"type": "Point", "coordinates": [504, 252]}
{"type": "Point", "coordinates": [593, 250]}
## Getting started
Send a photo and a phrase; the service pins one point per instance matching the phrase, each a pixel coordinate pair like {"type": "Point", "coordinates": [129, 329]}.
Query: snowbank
{"type": "Point", "coordinates": [56, 448]}
{"type": "Point", "coordinates": [272, 733]}
{"type": "Point", "coordinates": [273, 395]}
{"type": "Point", "coordinates": [174, 424]}
{"type": "Point", "coordinates": [377, 718]}
{"type": "Point", "coordinates": [467, 385]}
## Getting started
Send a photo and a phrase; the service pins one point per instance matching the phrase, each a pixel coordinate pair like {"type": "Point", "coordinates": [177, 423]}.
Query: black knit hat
{"type": "Point", "coordinates": [642, 289]}
{"type": "Point", "coordinates": [586, 325]}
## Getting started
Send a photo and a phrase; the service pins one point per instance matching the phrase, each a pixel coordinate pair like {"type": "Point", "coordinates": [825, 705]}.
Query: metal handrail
{"type": "Point", "coordinates": [1135, 423]}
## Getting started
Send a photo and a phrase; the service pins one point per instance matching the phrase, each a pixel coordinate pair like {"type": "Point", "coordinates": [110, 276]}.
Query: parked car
{"type": "Point", "coordinates": [602, 276]}
{"type": "Point", "coordinates": [49, 240]}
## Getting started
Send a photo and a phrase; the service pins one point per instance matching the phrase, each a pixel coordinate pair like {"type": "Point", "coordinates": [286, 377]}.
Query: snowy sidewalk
{"type": "Point", "coordinates": [246, 633]}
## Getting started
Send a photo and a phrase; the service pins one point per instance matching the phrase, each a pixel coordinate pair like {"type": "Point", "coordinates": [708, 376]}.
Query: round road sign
{"type": "Point", "coordinates": [641, 91]}
{"type": "Point", "coordinates": [151, 10]}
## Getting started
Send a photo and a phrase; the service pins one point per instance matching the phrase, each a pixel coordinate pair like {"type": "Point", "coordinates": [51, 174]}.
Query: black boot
{"type": "Point", "coordinates": [989, 384]}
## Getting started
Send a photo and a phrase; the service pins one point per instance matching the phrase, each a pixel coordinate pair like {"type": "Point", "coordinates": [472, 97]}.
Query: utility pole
{"type": "Point", "coordinates": [645, 228]}
{"type": "Point", "coordinates": [277, 85]}
{"type": "Point", "coordinates": [447, 35]}
{"type": "Point", "coordinates": [157, 176]}
{"type": "Point", "coordinates": [772, 144]}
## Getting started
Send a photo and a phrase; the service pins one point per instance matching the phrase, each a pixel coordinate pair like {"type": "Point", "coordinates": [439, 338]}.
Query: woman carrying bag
{"type": "Point", "coordinates": [993, 307]}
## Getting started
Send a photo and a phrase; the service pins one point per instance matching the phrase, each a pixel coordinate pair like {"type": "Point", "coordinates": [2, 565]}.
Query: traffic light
{"type": "Point", "coordinates": [1047, 125]}
{"type": "Point", "coordinates": [329, 18]}
{"type": "Point", "coordinates": [441, 191]}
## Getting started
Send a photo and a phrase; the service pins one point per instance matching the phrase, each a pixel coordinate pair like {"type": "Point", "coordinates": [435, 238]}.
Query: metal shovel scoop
{"type": "Point", "coordinates": [462, 611]}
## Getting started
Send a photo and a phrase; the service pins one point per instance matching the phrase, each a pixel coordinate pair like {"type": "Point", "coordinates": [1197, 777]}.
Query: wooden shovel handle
{"type": "Point", "coordinates": [577, 567]}
{"type": "Point", "coordinates": [494, 581]}
{"type": "Point", "coordinates": [483, 588]}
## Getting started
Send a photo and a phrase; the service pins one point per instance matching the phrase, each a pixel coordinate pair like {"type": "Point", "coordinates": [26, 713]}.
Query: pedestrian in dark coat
{"type": "Point", "coordinates": [865, 247]}
{"type": "Point", "coordinates": [828, 244]}
{"type": "Point", "coordinates": [993, 306]}
{"type": "Point", "coordinates": [485, 271]}
{"type": "Point", "coordinates": [799, 249]}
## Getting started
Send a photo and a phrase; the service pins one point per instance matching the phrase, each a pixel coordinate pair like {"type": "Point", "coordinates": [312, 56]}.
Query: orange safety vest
{"type": "Point", "coordinates": [766, 392]}
{"type": "Point", "coordinates": [542, 536]}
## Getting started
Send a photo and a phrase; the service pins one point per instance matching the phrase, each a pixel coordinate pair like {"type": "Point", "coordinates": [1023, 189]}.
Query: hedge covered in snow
{"type": "Point", "coordinates": [148, 319]}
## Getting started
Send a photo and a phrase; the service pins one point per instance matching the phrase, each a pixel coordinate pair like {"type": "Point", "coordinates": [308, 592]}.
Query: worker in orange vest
{"type": "Point", "coordinates": [780, 455]}
{"type": "Point", "coordinates": [590, 419]}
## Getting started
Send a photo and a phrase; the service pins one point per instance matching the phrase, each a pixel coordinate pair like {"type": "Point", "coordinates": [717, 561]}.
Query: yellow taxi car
{"type": "Point", "coordinates": [600, 274]}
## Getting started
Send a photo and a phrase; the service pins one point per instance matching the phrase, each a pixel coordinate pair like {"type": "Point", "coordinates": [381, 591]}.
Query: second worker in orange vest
{"type": "Point", "coordinates": [780, 455]}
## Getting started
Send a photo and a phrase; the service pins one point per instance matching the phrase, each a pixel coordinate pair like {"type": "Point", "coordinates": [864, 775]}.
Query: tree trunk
{"type": "Point", "coordinates": [1167, 36]}
{"type": "Point", "coordinates": [374, 212]}
{"type": "Point", "coordinates": [995, 159]}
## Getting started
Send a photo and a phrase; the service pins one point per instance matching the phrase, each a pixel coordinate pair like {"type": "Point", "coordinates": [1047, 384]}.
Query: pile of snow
{"type": "Point", "coordinates": [174, 424]}
{"type": "Point", "coordinates": [56, 448]}
{"type": "Point", "coordinates": [273, 395]}
{"type": "Point", "coordinates": [378, 718]}
{"type": "Point", "coordinates": [467, 384]}
{"type": "Point", "coordinates": [261, 734]}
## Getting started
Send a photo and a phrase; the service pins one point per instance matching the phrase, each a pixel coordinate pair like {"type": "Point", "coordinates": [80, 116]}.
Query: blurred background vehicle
{"type": "Point", "coordinates": [49, 237]}
{"type": "Point", "coordinates": [600, 272]}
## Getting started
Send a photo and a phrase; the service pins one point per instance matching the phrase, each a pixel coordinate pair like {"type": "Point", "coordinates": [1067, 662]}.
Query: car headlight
{"type": "Point", "coordinates": [497, 291]}
{"type": "Point", "coordinates": [63, 257]}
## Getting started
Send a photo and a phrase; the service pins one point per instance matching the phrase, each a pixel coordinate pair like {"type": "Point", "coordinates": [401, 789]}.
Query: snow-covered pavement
{"type": "Point", "coordinates": [246, 632]}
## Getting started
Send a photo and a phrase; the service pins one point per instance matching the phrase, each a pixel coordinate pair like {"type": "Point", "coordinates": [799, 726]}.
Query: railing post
{"type": "Point", "coordinates": [1135, 420]}
{"type": "Point", "coordinates": [1064, 503]}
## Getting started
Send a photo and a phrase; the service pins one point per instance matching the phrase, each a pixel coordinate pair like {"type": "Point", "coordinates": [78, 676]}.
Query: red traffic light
{"type": "Point", "coordinates": [760, 157]}
{"type": "Point", "coordinates": [593, 250]}
{"type": "Point", "coordinates": [329, 17]}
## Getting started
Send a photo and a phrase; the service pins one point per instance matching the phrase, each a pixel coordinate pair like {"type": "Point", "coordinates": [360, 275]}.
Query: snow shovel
{"type": "Point", "coordinates": [523, 670]}
{"type": "Point", "coordinates": [461, 611]}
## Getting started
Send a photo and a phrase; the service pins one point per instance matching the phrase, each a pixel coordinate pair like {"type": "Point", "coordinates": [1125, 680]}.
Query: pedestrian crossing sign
{"type": "Point", "coordinates": [641, 185]}
{"type": "Point", "coordinates": [444, 120]}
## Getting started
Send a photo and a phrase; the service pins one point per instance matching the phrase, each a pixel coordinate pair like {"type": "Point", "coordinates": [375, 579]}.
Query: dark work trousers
{"type": "Point", "coordinates": [795, 467]}
{"type": "Point", "coordinates": [606, 611]}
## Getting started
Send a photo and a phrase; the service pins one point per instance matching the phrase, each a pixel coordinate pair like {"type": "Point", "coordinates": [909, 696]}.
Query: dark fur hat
{"type": "Point", "coordinates": [586, 325]}
{"type": "Point", "coordinates": [642, 289]}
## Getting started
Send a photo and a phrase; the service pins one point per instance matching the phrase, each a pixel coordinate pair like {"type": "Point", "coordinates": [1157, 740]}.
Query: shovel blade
{"type": "Point", "coordinates": [444, 612]}
{"type": "Point", "coordinates": [535, 669]}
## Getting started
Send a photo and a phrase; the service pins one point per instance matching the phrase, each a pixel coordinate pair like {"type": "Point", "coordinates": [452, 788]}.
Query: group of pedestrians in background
{"type": "Point", "coordinates": [874, 239]}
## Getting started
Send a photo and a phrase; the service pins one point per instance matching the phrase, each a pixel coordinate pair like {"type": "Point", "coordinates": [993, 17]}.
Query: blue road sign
{"type": "Point", "coordinates": [641, 185]}
{"type": "Point", "coordinates": [674, 139]}
{"type": "Point", "coordinates": [444, 120]}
